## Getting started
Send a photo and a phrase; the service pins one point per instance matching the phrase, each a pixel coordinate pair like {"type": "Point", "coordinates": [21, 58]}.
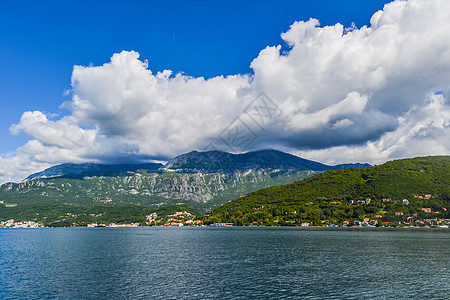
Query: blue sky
{"type": "Point", "coordinates": [41, 41]}
{"type": "Point", "coordinates": [133, 81]}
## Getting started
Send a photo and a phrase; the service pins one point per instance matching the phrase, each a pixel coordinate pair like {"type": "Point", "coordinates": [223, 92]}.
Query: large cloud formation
{"type": "Point", "coordinates": [337, 95]}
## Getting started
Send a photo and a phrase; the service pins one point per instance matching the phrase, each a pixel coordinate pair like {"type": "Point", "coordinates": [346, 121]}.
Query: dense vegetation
{"type": "Point", "coordinates": [64, 215]}
{"type": "Point", "coordinates": [350, 195]}
{"type": "Point", "coordinates": [407, 192]}
{"type": "Point", "coordinates": [201, 191]}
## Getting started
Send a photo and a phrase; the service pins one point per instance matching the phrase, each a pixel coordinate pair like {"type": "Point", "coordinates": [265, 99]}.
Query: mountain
{"type": "Point", "coordinates": [78, 171]}
{"type": "Point", "coordinates": [201, 180]}
{"type": "Point", "coordinates": [418, 188]}
{"type": "Point", "coordinates": [201, 191]}
{"type": "Point", "coordinates": [218, 161]}
{"type": "Point", "coordinates": [195, 162]}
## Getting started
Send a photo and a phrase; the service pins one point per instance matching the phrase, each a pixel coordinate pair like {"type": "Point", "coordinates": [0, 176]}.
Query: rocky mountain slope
{"type": "Point", "coordinates": [201, 180]}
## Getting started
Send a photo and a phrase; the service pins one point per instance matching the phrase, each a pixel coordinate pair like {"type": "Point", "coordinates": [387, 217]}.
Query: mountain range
{"type": "Point", "coordinates": [201, 180]}
{"type": "Point", "coordinates": [195, 162]}
{"type": "Point", "coordinates": [218, 161]}
{"type": "Point", "coordinates": [79, 171]}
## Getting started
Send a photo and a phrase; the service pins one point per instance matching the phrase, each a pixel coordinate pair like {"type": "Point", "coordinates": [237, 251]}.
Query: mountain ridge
{"type": "Point", "coordinates": [193, 162]}
{"type": "Point", "coordinates": [202, 180]}
{"type": "Point", "coordinates": [220, 161]}
{"type": "Point", "coordinates": [78, 171]}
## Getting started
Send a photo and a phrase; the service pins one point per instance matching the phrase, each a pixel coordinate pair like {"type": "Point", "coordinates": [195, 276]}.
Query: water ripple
{"type": "Point", "coordinates": [223, 263]}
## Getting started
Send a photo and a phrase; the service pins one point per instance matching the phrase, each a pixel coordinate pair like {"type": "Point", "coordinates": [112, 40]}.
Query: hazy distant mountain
{"type": "Point", "coordinates": [79, 171]}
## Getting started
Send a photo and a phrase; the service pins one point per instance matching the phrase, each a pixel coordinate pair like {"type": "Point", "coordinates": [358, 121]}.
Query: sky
{"type": "Point", "coordinates": [134, 81]}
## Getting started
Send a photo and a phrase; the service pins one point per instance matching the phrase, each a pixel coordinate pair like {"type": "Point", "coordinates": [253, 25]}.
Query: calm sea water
{"type": "Point", "coordinates": [224, 263]}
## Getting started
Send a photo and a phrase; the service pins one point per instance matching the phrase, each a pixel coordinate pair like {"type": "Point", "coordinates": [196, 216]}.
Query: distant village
{"type": "Point", "coordinates": [22, 224]}
{"type": "Point", "coordinates": [404, 220]}
{"type": "Point", "coordinates": [183, 218]}
{"type": "Point", "coordinates": [178, 219]}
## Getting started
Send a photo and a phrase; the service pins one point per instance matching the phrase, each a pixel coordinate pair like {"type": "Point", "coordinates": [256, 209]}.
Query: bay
{"type": "Point", "coordinates": [224, 263]}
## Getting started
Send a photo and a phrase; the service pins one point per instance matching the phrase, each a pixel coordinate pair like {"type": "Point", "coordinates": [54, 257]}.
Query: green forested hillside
{"type": "Point", "coordinates": [394, 192]}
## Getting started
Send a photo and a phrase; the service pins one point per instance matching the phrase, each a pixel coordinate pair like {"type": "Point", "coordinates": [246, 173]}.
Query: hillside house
{"type": "Point", "coordinates": [431, 222]}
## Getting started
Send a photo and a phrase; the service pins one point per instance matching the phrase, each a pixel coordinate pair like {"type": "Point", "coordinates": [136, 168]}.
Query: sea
{"type": "Point", "coordinates": [224, 263]}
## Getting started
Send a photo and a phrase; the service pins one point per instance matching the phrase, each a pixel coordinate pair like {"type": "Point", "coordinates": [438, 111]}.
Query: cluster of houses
{"type": "Point", "coordinates": [227, 224]}
{"type": "Point", "coordinates": [436, 222]}
{"type": "Point", "coordinates": [179, 218]}
{"type": "Point", "coordinates": [22, 224]}
{"type": "Point", "coordinates": [384, 200]}
{"type": "Point", "coordinates": [409, 221]}
{"type": "Point", "coordinates": [360, 202]}
{"type": "Point", "coordinates": [367, 222]}
{"type": "Point", "coordinates": [414, 221]}
{"type": "Point", "coordinates": [426, 196]}
{"type": "Point", "coordinates": [113, 225]}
